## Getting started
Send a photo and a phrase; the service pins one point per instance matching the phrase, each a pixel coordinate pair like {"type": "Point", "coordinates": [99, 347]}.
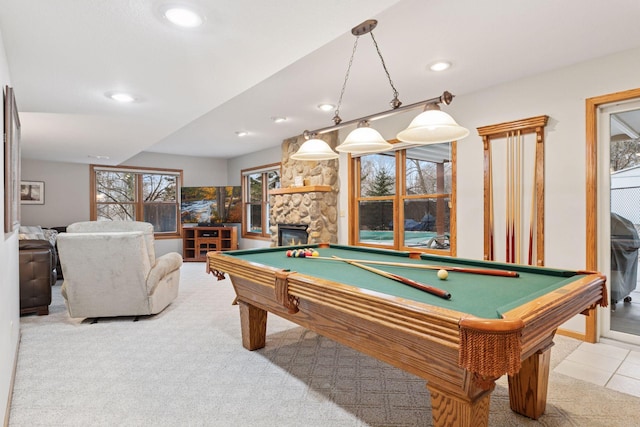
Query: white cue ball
{"type": "Point", "coordinates": [443, 274]}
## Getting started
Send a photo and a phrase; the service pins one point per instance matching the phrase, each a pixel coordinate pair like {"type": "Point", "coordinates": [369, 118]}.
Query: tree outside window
{"type": "Point", "coordinates": [427, 197]}
{"type": "Point", "coordinates": [255, 203]}
{"type": "Point", "coordinates": [137, 194]}
{"type": "Point", "coordinates": [624, 153]}
{"type": "Point", "coordinates": [256, 184]}
{"type": "Point", "coordinates": [377, 189]}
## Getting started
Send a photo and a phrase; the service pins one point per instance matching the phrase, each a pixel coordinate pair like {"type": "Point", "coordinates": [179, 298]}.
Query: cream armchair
{"type": "Point", "coordinates": [110, 269]}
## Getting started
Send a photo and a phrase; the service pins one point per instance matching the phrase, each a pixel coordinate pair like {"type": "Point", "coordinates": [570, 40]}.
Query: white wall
{"type": "Point", "coordinates": [561, 95]}
{"type": "Point", "coordinates": [66, 193]}
{"type": "Point", "coordinates": [252, 160]}
{"type": "Point", "coordinates": [9, 284]}
{"type": "Point", "coordinates": [197, 171]}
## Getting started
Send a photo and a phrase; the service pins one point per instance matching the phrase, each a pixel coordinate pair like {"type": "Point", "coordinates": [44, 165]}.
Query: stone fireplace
{"type": "Point", "coordinates": [315, 204]}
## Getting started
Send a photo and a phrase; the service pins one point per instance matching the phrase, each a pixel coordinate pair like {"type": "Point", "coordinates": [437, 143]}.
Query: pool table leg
{"type": "Point", "coordinates": [253, 323]}
{"type": "Point", "coordinates": [450, 409]}
{"type": "Point", "coordinates": [528, 388]}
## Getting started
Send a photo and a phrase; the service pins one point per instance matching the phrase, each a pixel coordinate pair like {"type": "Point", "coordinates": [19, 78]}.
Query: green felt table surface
{"type": "Point", "coordinates": [479, 295]}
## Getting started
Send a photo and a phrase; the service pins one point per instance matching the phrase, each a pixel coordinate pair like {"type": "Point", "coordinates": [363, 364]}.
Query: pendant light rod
{"type": "Point", "coordinates": [445, 98]}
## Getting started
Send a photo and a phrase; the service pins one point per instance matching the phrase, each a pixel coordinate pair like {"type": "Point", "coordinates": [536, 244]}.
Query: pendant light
{"type": "Point", "coordinates": [430, 127]}
{"type": "Point", "coordinates": [364, 139]}
{"type": "Point", "coordinates": [314, 149]}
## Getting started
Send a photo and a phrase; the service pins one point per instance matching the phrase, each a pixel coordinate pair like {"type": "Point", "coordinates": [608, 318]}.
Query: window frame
{"type": "Point", "coordinates": [398, 199]}
{"type": "Point", "coordinates": [264, 170]}
{"type": "Point", "coordinates": [139, 200]}
{"type": "Point", "coordinates": [356, 190]}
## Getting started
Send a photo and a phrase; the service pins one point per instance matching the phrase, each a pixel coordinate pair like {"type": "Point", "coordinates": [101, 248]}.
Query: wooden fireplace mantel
{"type": "Point", "coordinates": [304, 189]}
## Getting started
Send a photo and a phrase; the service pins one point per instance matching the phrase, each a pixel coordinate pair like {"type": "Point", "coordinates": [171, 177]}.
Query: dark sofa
{"type": "Point", "coordinates": [37, 259]}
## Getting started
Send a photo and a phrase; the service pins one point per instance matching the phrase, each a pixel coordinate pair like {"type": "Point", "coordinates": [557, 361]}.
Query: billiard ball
{"type": "Point", "coordinates": [443, 274]}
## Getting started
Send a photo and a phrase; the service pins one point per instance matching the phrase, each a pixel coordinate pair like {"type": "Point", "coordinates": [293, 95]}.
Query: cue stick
{"type": "Point", "coordinates": [509, 201]}
{"type": "Point", "coordinates": [491, 219]}
{"type": "Point", "coordinates": [426, 288]}
{"type": "Point", "coordinates": [533, 212]}
{"type": "Point", "coordinates": [513, 197]}
{"type": "Point", "coordinates": [470, 270]}
{"type": "Point", "coordinates": [512, 217]}
{"type": "Point", "coordinates": [507, 198]}
{"type": "Point", "coordinates": [518, 245]}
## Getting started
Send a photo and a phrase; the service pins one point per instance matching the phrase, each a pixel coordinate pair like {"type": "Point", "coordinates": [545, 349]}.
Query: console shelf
{"type": "Point", "coordinates": [197, 241]}
{"type": "Point", "coordinates": [305, 189]}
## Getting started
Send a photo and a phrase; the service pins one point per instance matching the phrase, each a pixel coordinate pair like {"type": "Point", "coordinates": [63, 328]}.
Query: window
{"type": "Point", "coordinates": [256, 184]}
{"type": "Point", "coordinates": [405, 199]}
{"type": "Point", "coordinates": [377, 198]}
{"type": "Point", "coordinates": [137, 194]}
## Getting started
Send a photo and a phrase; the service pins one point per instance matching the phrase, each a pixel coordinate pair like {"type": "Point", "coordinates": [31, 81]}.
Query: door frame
{"type": "Point", "coordinates": [592, 107]}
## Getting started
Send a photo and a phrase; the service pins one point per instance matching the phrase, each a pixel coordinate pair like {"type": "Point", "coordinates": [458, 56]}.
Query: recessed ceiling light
{"type": "Point", "coordinates": [98, 156]}
{"type": "Point", "coordinates": [279, 119]}
{"type": "Point", "coordinates": [326, 107]}
{"type": "Point", "coordinates": [440, 66]}
{"type": "Point", "coordinates": [121, 97]}
{"type": "Point", "coordinates": [183, 17]}
{"type": "Point", "coordinates": [242, 133]}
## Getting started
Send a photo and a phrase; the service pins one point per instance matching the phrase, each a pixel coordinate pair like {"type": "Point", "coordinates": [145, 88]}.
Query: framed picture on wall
{"type": "Point", "coordinates": [32, 192]}
{"type": "Point", "coordinates": [11, 162]}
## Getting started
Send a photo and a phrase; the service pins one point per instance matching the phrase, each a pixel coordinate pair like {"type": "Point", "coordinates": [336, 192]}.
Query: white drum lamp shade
{"type": "Point", "coordinates": [315, 149]}
{"type": "Point", "coordinates": [364, 140]}
{"type": "Point", "coordinates": [432, 126]}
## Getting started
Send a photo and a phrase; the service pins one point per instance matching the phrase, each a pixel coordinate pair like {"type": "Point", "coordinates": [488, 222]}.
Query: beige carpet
{"type": "Point", "coordinates": [187, 367]}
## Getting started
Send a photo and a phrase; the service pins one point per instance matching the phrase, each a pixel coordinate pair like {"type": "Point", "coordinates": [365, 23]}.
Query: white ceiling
{"type": "Point", "coordinates": [256, 59]}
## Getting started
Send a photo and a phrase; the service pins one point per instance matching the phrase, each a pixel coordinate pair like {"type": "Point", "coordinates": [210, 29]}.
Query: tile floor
{"type": "Point", "coordinates": [614, 366]}
{"type": "Point", "coordinates": [625, 316]}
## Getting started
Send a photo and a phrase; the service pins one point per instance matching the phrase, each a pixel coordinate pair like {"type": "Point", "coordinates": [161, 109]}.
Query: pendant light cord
{"type": "Point", "coordinates": [336, 117]}
{"type": "Point", "coordinates": [395, 102]}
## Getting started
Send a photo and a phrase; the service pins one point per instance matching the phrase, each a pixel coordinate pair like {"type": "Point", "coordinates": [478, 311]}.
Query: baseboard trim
{"type": "Point", "coordinates": [13, 379]}
{"type": "Point", "coordinates": [571, 334]}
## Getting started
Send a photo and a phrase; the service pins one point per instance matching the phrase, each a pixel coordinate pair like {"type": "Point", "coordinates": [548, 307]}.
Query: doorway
{"type": "Point", "coordinates": [618, 208]}
{"type": "Point", "coordinates": [624, 201]}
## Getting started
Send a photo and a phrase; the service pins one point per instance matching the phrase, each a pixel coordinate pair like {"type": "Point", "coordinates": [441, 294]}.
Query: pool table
{"type": "Point", "coordinates": [492, 325]}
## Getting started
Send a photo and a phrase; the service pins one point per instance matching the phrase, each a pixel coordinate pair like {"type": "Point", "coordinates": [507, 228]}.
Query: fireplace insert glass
{"type": "Point", "coordinates": [292, 234]}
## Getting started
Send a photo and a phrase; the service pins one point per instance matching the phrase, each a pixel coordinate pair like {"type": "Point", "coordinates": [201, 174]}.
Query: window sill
{"type": "Point", "coordinates": [164, 236]}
